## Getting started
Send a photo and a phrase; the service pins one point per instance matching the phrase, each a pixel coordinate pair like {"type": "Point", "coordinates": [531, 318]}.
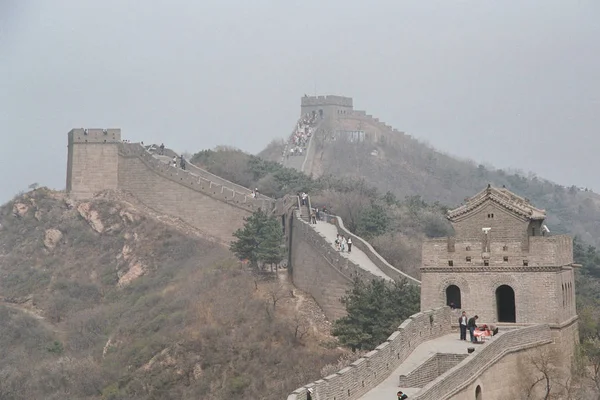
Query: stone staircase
{"type": "Point", "coordinates": [304, 209]}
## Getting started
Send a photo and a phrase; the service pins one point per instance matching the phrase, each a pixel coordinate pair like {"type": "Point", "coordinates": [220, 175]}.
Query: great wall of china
{"type": "Point", "coordinates": [420, 355]}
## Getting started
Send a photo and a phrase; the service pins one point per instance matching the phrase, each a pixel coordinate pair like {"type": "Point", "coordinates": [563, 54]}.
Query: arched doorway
{"type": "Point", "coordinates": [453, 296]}
{"type": "Point", "coordinates": [505, 304]}
{"type": "Point", "coordinates": [478, 395]}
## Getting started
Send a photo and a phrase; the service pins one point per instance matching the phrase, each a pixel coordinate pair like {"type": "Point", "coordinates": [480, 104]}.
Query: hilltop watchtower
{"type": "Point", "coordinates": [93, 161]}
{"type": "Point", "coordinates": [502, 264]}
{"type": "Point", "coordinates": [326, 106]}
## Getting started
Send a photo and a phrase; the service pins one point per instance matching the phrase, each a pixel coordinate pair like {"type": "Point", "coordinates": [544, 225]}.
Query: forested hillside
{"type": "Point", "coordinates": [406, 167]}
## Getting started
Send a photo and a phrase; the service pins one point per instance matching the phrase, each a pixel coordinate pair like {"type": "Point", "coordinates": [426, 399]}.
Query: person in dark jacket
{"type": "Point", "coordinates": [471, 325]}
{"type": "Point", "coordinates": [401, 396]}
{"type": "Point", "coordinates": [462, 323]}
{"type": "Point", "coordinates": [309, 394]}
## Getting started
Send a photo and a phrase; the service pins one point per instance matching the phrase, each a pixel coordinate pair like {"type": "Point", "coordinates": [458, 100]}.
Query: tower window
{"type": "Point", "coordinates": [525, 263]}
{"type": "Point", "coordinates": [504, 248]}
{"type": "Point", "coordinates": [450, 263]}
{"type": "Point", "coordinates": [505, 258]}
{"type": "Point", "coordinates": [469, 259]}
{"type": "Point", "coordinates": [486, 262]}
{"type": "Point", "coordinates": [490, 215]}
{"type": "Point", "coordinates": [468, 248]}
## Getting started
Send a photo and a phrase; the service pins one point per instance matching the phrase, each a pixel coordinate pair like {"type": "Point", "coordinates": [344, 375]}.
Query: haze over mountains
{"type": "Point", "coordinates": [512, 84]}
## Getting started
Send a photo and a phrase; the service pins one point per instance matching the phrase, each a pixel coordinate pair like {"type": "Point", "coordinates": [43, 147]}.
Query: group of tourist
{"type": "Point", "coordinates": [182, 162]}
{"type": "Point", "coordinates": [255, 193]}
{"type": "Point", "coordinates": [342, 244]}
{"type": "Point", "coordinates": [301, 135]}
{"type": "Point", "coordinates": [475, 331]}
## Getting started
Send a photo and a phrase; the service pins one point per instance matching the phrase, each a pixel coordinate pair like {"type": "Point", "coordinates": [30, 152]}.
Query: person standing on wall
{"type": "Point", "coordinates": [472, 325]}
{"type": "Point", "coordinates": [349, 242]}
{"type": "Point", "coordinates": [462, 323]}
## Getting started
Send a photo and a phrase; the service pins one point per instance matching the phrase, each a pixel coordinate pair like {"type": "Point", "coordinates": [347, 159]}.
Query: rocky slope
{"type": "Point", "coordinates": [104, 299]}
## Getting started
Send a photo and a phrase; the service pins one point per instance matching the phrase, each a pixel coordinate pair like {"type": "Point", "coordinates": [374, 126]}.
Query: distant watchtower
{"type": "Point", "coordinates": [326, 106]}
{"type": "Point", "coordinates": [93, 161]}
{"type": "Point", "coordinates": [502, 264]}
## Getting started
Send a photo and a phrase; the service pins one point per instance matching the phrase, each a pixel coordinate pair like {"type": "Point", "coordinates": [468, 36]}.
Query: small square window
{"type": "Point", "coordinates": [505, 258]}
{"type": "Point", "coordinates": [450, 263]}
{"type": "Point", "coordinates": [525, 263]}
{"type": "Point", "coordinates": [468, 259]}
{"type": "Point", "coordinates": [468, 248]}
{"type": "Point", "coordinates": [486, 262]}
{"type": "Point", "coordinates": [505, 248]}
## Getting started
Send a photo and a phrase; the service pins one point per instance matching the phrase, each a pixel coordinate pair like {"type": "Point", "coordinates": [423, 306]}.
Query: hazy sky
{"type": "Point", "coordinates": [511, 83]}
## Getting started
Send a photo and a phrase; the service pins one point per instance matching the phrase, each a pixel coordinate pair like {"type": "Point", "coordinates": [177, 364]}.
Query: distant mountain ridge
{"type": "Point", "coordinates": [355, 144]}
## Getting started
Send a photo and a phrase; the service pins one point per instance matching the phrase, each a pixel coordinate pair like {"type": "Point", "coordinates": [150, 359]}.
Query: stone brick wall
{"type": "Point", "coordinates": [92, 161]}
{"type": "Point", "coordinates": [543, 251]}
{"type": "Point", "coordinates": [370, 252]}
{"type": "Point", "coordinates": [215, 209]}
{"type": "Point", "coordinates": [499, 358]}
{"type": "Point", "coordinates": [435, 366]}
{"type": "Point", "coordinates": [536, 296]}
{"type": "Point", "coordinates": [332, 106]}
{"type": "Point", "coordinates": [367, 372]}
{"type": "Point", "coordinates": [318, 269]}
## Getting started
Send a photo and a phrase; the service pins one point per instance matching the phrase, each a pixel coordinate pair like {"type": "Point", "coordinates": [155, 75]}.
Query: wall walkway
{"type": "Point", "coordinates": [369, 371]}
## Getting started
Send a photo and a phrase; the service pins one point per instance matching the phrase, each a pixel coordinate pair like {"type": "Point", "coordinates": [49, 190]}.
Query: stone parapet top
{"type": "Point", "coordinates": [368, 371]}
{"type": "Point", "coordinates": [196, 182]}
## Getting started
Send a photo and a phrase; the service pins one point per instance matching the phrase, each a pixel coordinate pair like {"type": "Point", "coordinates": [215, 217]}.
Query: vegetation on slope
{"type": "Point", "coordinates": [393, 226]}
{"type": "Point", "coordinates": [260, 240]}
{"type": "Point", "coordinates": [101, 302]}
{"type": "Point", "coordinates": [407, 167]}
{"type": "Point", "coordinates": [375, 310]}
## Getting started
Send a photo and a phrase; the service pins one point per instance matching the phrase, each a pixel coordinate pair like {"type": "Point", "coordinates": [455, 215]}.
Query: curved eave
{"type": "Point", "coordinates": [463, 211]}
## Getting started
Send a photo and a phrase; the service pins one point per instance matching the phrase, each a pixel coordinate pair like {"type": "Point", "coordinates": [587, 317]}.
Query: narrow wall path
{"type": "Point", "coordinates": [330, 232]}
{"type": "Point", "coordinates": [448, 344]}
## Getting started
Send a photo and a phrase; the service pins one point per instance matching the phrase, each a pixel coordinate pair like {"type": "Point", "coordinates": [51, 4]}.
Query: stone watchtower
{"type": "Point", "coordinates": [502, 264]}
{"type": "Point", "coordinates": [326, 106]}
{"type": "Point", "coordinates": [93, 161]}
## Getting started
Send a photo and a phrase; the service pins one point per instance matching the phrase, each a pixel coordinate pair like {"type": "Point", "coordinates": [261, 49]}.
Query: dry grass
{"type": "Point", "coordinates": [193, 325]}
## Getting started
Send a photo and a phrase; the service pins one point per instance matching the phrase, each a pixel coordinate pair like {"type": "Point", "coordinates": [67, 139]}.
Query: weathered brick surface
{"type": "Point", "coordinates": [98, 161]}
{"type": "Point", "coordinates": [490, 362]}
{"type": "Point", "coordinates": [320, 270]}
{"type": "Point", "coordinates": [367, 372]}
{"type": "Point", "coordinates": [92, 161]}
{"type": "Point", "coordinates": [537, 268]}
{"type": "Point", "coordinates": [435, 366]}
{"type": "Point", "coordinates": [370, 252]}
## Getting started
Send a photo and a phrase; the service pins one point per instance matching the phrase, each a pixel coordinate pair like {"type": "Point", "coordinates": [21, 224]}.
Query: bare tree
{"type": "Point", "coordinates": [542, 378]}
{"type": "Point", "coordinates": [277, 291]}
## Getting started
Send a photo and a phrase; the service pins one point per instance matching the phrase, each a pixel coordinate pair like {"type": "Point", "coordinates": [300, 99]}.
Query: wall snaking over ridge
{"type": "Point", "coordinates": [373, 255]}
{"type": "Point", "coordinates": [367, 372]}
{"type": "Point", "coordinates": [215, 209]}
{"type": "Point", "coordinates": [320, 270]}
{"type": "Point", "coordinates": [453, 384]}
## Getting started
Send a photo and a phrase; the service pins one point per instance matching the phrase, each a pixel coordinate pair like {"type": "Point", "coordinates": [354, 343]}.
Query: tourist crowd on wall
{"type": "Point", "coordinates": [301, 135]}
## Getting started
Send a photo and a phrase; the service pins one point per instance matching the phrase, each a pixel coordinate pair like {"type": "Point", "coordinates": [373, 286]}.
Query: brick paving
{"type": "Point", "coordinates": [448, 344]}
{"type": "Point", "coordinates": [357, 256]}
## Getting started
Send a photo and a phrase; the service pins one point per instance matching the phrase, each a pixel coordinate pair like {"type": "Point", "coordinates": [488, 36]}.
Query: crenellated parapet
{"type": "Point", "coordinates": [367, 372]}
{"type": "Point", "coordinates": [192, 180]}
{"type": "Point", "coordinates": [372, 254]}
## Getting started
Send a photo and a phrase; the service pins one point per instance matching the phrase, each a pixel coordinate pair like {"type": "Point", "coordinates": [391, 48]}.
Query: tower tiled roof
{"type": "Point", "coordinates": [503, 197]}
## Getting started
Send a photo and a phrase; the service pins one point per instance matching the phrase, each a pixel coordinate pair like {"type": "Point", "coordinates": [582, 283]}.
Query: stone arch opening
{"type": "Point", "coordinates": [505, 304]}
{"type": "Point", "coordinates": [478, 395]}
{"type": "Point", "coordinates": [453, 296]}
